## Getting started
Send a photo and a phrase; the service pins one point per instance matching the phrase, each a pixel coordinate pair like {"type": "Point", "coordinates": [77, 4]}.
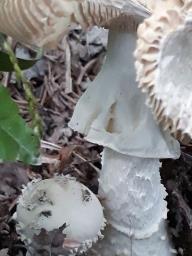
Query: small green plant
{"type": "Point", "coordinates": [18, 142]}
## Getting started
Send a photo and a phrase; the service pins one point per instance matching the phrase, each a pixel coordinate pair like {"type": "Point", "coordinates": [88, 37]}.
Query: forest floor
{"type": "Point", "coordinates": [58, 80]}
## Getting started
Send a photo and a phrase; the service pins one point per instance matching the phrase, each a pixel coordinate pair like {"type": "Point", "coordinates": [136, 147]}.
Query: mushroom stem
{"type": "Point", "coordinates": [135, 206]}
{"type": "Point", "coordinates": [112, 113]}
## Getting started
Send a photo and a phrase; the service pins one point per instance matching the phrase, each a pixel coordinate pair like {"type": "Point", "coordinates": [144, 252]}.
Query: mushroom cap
{"type": "Point", "coordinates": [112, 112]}
{"type": "Point", "coordinates": [51, 203]}
{"type": "Point", "coordinates": [163, 57]}
{"type": "Point", "coordinates": [43, 23]}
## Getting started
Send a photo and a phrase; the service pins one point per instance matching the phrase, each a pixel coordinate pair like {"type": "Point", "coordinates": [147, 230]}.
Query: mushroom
{"type": "Point", "coordinates": [112, 113]}
{"type": "Point", "coordinates": [59, 204]}
{"type": "Point", "coordinates": [43, 23]}
{"type": "Point", "coordinates": [163, 58]}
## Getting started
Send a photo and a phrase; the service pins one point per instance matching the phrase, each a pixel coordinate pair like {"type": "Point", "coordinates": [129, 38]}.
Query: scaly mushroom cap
{"type": "Point", "coordinates": [43, 23]}
{"type": "Point", "coordinates": [49, 204]}
{"type": "Point", "coordinates": [163, 64]}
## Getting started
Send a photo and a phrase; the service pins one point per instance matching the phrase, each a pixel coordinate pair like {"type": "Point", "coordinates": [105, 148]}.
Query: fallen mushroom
{"type": "Point", "coordinates": [163, 58]}
{"type": "Point", "coordinates": [59, 204]}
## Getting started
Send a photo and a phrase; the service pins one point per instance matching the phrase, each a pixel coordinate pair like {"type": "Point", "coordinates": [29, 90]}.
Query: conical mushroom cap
{"type": "Point", "coordinates": [163, 64]}
{"type": "Point", "coordinates": [49, 204]}
{"type": "Point", "coordinates": [43, 23]}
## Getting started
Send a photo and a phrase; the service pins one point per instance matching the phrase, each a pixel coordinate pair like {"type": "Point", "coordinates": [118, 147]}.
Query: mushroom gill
{"type": "Point", "coordinates": [43, 23]}
{"type": "Point", "coordinates": [163, 64]}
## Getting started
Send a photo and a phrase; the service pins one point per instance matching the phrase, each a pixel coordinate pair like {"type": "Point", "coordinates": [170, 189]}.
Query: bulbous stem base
{"type": "Point", "coordinates": [116, 243]}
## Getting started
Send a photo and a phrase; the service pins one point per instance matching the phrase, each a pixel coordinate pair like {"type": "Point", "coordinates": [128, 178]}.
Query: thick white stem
{"type": "Point", "coordinates": [135, 207]}
{"type": "Point", "coordinates": [112, 113]}
{"type": "Point", "coordinates": [116, 243]}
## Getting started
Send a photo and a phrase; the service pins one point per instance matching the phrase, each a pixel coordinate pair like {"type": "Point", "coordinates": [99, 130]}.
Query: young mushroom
{"type": "Point", "coordinates": [61, 212]}
{"type": "Point", "coordinates": [163, 58]}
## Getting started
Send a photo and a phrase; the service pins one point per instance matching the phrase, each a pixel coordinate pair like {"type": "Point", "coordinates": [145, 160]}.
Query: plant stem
{"type": "Point", "coordinates": [32, 102]}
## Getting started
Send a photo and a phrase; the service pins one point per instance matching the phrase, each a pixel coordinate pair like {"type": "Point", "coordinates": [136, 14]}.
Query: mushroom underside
{"type": "Point", "coordinates": [163, 57]}
{"type": "Point", "coordinates": [44, 23]}
{"type": "Point", "coordinates": [173, 83]}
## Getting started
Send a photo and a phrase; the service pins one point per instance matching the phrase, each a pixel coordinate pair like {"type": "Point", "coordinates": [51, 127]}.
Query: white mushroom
{"type": "Point", "coordinates": [49, 204]}
{"type": "Point", "coordinates": [112, 113]}
{"type": "Point", "coordinates": [163, 64]}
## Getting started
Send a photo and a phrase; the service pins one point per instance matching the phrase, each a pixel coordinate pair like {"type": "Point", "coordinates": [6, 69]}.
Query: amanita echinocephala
{"type": "Point", "coordinates": [112, 113]}
{"type": "Point", "coordinates": [58, 216]}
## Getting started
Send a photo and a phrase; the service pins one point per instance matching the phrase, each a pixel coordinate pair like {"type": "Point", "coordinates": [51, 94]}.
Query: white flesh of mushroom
{"type": "Point", "coordinates": [112, 113]}
{"type": "Point", "coordinates": [135, 206]}
{"type": "Point", "coordinates": [137, 180]}
{"type": "Point", "coordinates": [51, 203]}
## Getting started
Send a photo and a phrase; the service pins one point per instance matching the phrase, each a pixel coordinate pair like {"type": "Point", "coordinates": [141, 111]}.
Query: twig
{"type": "Point", "coordinates": [85, 160]}
{"type": "Point", "coordinates": [84, 70]}
{"type": "Point", "coordinates": [53, 146]}
{"type": "Point", "coordinates": [50, 145]}
{"type": "Point", "coordinates": [68, 79]}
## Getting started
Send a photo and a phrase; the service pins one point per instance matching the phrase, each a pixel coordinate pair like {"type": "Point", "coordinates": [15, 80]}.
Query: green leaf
{"type": "Point", "coordinates": [17, 140]}
{"type": "Point", "coordinates": [7, 66]}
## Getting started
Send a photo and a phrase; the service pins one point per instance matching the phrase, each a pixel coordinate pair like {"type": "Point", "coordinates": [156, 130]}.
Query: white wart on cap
{"type": "Point", "coordinates": [163, 64]}
{"type": "Point", "coordinates": [49, 204]}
